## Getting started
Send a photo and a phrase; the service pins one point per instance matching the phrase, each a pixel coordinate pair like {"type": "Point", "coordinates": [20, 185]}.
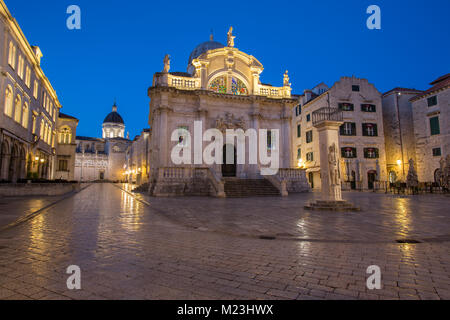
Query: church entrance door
{"type": "Point", "coordinates": [229, 170]}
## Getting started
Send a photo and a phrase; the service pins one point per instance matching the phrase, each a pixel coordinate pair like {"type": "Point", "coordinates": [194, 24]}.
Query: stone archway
{"type": "Point", "coordinates": [4, 154]}
{"type": "Point", "coordinates": [22, 164]}
{"type": "Point", "coordinates": [13, 164]}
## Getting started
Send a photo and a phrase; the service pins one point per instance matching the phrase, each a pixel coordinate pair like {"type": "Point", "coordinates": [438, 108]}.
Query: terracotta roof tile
{"type": "Point", "coordinates": [440, 83]}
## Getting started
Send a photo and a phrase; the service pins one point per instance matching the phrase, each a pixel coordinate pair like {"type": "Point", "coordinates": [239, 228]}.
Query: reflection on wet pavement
{"type": "Point", "coordinates": [170, 250]}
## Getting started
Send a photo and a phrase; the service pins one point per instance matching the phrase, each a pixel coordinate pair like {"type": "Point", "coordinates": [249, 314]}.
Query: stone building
{"type": "Point", "coordinates": [137, 159]}
{"type": "Point", "coordinates": [399, 132]}
{"type": "Point", "coordinates": [29, 107]}
{"type": "Point", "coordinates": [103, 158]}
{"type": "Point", "coordinates": [361, 139]}
{"type": "Point", "coordinates": [431, 114]}
{"type": "Point", "coordinates": [65, 147]}
{"type": "Point", "coordinates": [221, 90]}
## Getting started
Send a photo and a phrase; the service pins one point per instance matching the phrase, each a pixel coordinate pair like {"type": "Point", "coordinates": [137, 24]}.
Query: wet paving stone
{"type": "Point", "coordinates": [188, 248]}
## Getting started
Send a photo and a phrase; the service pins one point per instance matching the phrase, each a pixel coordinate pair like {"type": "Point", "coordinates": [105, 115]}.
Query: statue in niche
{"type": "Point", "coordinates": [333, 166]}
{"type": "Point", "coordinates": [166, 64]}
{"type": "Point", "coordinates": [231, 37]}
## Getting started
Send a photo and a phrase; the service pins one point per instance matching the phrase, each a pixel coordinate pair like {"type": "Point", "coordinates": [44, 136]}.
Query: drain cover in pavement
{"type": "Point", "coordinates": [407, 241]}
{"type": "Point", "coordinates": [267, 237]}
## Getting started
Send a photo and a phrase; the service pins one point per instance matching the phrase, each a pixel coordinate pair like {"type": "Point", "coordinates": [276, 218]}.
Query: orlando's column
{"type": "Point", "coordinates": [327, 121]}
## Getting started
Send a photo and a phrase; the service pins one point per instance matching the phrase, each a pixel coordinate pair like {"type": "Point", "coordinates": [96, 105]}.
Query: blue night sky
{"type": "Point", "coordinates": [123, 43]}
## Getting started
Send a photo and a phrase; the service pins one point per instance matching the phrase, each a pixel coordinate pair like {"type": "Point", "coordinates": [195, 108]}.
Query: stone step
{"type": "Point", "coordinates": [242, 188]}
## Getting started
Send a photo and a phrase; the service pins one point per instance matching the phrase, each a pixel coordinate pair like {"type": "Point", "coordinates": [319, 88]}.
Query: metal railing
{"type": "Point", "coordinates": [327, 114]}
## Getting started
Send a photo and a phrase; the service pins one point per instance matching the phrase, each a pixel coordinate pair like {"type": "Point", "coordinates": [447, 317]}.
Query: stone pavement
{"type": "Point", "coordinates": [203, 248]}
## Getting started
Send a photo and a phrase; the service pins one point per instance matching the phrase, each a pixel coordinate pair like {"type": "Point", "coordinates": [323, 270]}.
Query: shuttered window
{"type": "Point", "coordinates": [434, 126]}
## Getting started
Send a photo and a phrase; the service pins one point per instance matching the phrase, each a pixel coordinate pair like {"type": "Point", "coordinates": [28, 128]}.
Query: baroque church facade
{"type": "Point", "coordinates": [221, 89]}
{"type": "Point", "coordinates": [103, 159]}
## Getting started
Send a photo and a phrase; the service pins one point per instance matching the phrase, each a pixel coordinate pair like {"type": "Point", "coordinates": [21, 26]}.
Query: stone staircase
{"type": "Point", "coordinates": [243, 188]}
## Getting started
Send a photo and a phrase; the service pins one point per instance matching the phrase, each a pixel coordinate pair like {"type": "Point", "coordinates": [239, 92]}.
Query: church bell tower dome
{"type": "Point", "coordinates": [113, 125]}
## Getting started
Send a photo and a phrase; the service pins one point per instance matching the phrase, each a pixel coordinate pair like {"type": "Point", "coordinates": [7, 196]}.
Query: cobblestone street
{"type": "Point", "coordinates": [136, 247]}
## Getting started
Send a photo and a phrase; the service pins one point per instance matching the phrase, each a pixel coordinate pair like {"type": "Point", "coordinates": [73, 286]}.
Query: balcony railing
{"type": "Point", "coordinates": [327, 114]}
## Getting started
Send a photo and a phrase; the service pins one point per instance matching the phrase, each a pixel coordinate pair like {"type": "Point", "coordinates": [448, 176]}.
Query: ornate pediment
{"type": "Point", "coordinates": [230, 122]}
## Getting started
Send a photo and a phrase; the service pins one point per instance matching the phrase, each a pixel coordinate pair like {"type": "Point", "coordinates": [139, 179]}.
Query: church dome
{"type": "Point", "coordinates": [204, 47]}
{"type": "Point", "coordinates": [114, 117]}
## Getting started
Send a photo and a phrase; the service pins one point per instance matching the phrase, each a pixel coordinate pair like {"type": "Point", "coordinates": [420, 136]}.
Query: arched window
{"type": "Point", "coordinates": [12, 55]}
{"type": "Point", "coordinates": [238, 87]}
{"type": "Point", "coordinates": [65, 136]}
{"type": "Point", "coordinates": [8, 101]}
{"type": "Point", "coordinates": [45, 132]}
{"type": "Point", "coordinates": [42, 128]}
{"type": "Point", "coordinates": [25, 115]}
{"type": "Point", "coordinates": [219, 85]}
{"type": "Point", "coordinates": [18, 109]}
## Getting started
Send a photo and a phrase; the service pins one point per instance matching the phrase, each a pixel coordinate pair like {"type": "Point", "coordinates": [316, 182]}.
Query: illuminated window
{"type": "Point", "coordinates": [25, 115]}
{"type": "Point", "coordinates": [20, 67]}
{"type": "Point", "coordinates": [12, 55]}
{"type": "Point", "coordinates": [348, 129]}
{"type": "Point", "coordinates": [18, 109]}
{"type": "Point", "coordinates": [371, 153]}
{"type": "Point", "coordinates": [370, 129]}
{"type": "Point", "coordinates": [33, 129]}
{"type": "Point", "coordinates": [41, 130]}
{"type": "Point", "coordinates": [348, 152]}
{"type": "Point", "coordinates": [65, 136]}
{"type": "Point", "coordinates": [9, 101]}
{"type": "Point", "coordinates": [238, 87]}
{"type": "Point", "coordinates": [368, 108]}
{"type": "Point", "coordinates": [346, 107]}
{"type": "Point", "coordinates": [219, 85]}
{"type": "Point", "coordinates": [28, 77]}
{"type": "Point", "coordinates": [36, 88]}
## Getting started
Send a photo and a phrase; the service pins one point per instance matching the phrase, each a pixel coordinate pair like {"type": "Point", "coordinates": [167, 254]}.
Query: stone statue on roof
{"type": "Point", "coordinates": [231, 37]}
{"type": "Point", "coordinates": [166, 64]}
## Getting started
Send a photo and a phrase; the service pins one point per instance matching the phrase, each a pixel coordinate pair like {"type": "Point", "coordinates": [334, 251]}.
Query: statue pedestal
{"type": "Point", "coordinates": [329, 168]}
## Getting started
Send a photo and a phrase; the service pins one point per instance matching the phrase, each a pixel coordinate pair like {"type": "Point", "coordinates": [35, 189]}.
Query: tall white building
{"type": "Point", "coordinates": [431, 113]}
{"type": "Point", "coordinates": [363, 160]}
